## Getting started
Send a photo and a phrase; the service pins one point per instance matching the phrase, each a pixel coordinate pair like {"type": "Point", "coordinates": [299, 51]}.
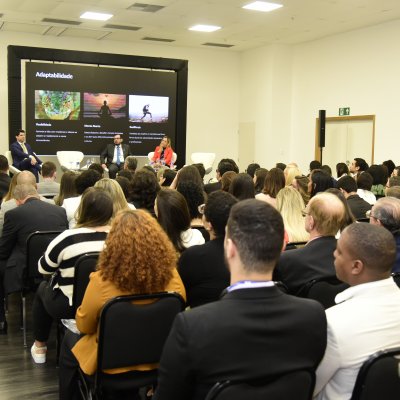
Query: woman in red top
{"type": "Point", "coordinates": [163, 153]}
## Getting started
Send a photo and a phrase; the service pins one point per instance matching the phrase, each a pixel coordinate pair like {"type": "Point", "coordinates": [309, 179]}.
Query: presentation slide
{"type": "Point", "coordinates": [74, 107]}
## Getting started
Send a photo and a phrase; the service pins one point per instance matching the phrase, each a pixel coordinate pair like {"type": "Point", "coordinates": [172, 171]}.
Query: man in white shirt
{"type": "Point", "coordinates": [366, 318]}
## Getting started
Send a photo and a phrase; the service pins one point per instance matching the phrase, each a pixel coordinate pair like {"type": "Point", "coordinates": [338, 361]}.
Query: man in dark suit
{"type": "Point", "coordinates": [225, 165]}
{"type": "Point", "coordinates": [113, 156]}
{"type": "Point", "coordinates": [4, 177]}
{"type": "Point", "coordinates": [324, 216]}
{"type": "Point", "coordinates": [23, 156]}
{"type": "Point", "coordinates": [255, 330]}
{"type": "Point", "coordinates": [31, 215]}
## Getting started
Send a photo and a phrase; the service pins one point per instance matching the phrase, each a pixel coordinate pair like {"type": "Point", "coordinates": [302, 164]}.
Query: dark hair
{"type": "Point", "coordinates": [390, 166]}
{"type": "Point", "coordinates": [260, 175]}
{"type": "Point", "coordinates": [348, 215]}
{"type": "Point", "coordinates": [341, 169]}
{"type": "Point", "coordinates": [393, 191]}
{"type": "Point", "coordinates": [144, 189]}
{"type": "Point", "coordinates": [95, 208]}
{"type": "Point", "coordinates": [126, 173]}
{"type": "Point", "coordinates": [173, 215]}
{"type": "Point", "coordinates": [48, 169]}
{"type": "Point", "coordinates": [201, 169]}
{"type": "Point", "coordinates": [327, 169]}
{"type": "Point", "coordinates": [86, 179]}
{"type": "Point", "coordinates": [320, 181]}
{"type": "Point", "coordinates": [131, 163]}
{"type": "Point", "coordinates": [227, 179]}
{"type": "Point", "coordinates": [251, 169]}
{"type": "Point", "coordinates": [347, 183]}
{"type": "Point", "coordinates": [315, 164]}
{"type": "Point", "coordinates": [274, 182]}
{"type": "Point", "coordinates": [227, 164]}
{"type": "Point", "coordinates": [125, 186]}
{"type": "Point", "coordinates": [364, 181]}
{"type": "Point", "coordinates": [150, 169]}
{"type": "Point", "coordinates": [194, 196]}
{"type": "Point", "coordinates": [242, 187]}
{"type": "Point", "coordinates": [3, 163]}
{"type": "Point", "coordinates": [281, 166]}
{"type": "Point", "coordinates": [361, 164]}
{"type": "Point", "coordinates": [97, 167]}
{"type": "Point", "coordinates": [256, 228]}
{"type": "Point", "coordinates": [217, 209]}
{"type": "Point", "coordinates": [378, 173]}
{"type": "Point", "coordinates": [169, 176]}
{"type": "Point", "coordinates": [394, 181]}
{"type": "Point", "coordinates": [189, 174]}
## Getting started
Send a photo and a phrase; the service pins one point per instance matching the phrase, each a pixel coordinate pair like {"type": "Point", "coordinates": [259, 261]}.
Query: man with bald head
{"type": "Point", "coordinates": [366, 318]}
{"type": "Point", "coordinates": [323, 218]}
{"type": "Point", "coordinates": [386, 213]}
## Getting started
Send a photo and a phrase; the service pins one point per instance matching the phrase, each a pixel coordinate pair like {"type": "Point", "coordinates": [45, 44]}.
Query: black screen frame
{"type": "Point", "coordinates": [16, 54]}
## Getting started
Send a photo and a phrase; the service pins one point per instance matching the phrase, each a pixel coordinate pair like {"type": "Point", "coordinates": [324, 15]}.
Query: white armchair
{"type": "Point", "coordinates": [207, 159]}
{"type": "Point", "coordinates": [70, 160]}
{"type": "Point", "coordinates": [12, 169]}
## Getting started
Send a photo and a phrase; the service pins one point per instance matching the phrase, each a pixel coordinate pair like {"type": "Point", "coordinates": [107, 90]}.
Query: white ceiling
{"type": "Point", "coordinates": [298, 21]}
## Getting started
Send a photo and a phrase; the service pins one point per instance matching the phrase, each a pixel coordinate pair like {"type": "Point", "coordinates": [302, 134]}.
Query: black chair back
{"type": "Point", "coordinates": [297, 385]}
{"type": "Point", "coordinates": [396, 278]}
{"type": "Point", "coordinates": [294, 245]}
{"type": "Point", "coordinates": [323, 290]}
{"type": "Point", "coordinates": [379, 377]}
{"type": "Point", "coordinates": [85, 265]}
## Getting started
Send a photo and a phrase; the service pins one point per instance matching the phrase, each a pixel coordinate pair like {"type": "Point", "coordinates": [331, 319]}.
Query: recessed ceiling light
{"type": "Point", "coordinates": [96, 16]}
{"type": "Point", "coordinates": [262, 6]}
{"type": "Point", "coordinates": [204, 28]}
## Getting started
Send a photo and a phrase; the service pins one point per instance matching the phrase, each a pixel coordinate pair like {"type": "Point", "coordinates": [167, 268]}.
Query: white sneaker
{"type": "Point", "coordinates": [38, 357]}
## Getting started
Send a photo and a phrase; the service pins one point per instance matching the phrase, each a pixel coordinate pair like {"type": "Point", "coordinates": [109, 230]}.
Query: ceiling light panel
{"type": "Point", "coordinates": [204, 28]}
{"type": "Point", "coordinates": [262, 6]}
{"type": "Point", "coordinates": [96, 16]}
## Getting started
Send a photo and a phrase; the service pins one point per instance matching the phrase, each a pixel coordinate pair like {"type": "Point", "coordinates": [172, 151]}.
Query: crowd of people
{"type": "Point", "coordinates": [222, 246]}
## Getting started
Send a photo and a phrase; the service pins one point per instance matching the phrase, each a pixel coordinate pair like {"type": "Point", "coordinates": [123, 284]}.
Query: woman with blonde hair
{"type": "Point", "coordinates": [290, 204]}
{"type": "Point", "coordinates": [135, 270]}
{"type": "Point", "coordinates": [113, 188]}
{"type": "Point", "coordinates": [300, 183]}
{"type": "Point", "coordinates": [291, 171]}
{"type": "Point", "coordinates": [13, 183]}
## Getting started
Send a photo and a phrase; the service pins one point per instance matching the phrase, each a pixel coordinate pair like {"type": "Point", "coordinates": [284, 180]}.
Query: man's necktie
{"type": "Point", "coordinates": [118, 155]}
{"type": "Point", "coordinates": [24, 148]}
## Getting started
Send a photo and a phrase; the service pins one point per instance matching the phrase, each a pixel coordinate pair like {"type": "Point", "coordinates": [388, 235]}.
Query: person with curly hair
{"type": "Point", "coordinates": [133, 271]}
{"type": "Point", "coordinates": [144, 189]}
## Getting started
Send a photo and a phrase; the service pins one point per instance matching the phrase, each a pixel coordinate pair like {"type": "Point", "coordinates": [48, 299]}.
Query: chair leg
{"type": "Point", "coordinates": [23, 305]}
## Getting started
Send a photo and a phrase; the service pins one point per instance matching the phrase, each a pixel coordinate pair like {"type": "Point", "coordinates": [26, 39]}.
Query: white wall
{"type": "Point", "coordinates": [213, 87]}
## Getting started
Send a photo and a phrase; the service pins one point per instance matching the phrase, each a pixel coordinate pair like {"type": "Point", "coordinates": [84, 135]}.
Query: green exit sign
{"type": "Point", "coordinates": [344, 111]}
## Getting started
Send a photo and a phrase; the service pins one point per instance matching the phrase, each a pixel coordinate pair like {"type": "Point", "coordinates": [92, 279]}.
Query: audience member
{"type": "Point", "coordinates": [48, 186]}
{"type": "Point", "coordinates": [226, 164]}
{"type": "Point", "coordinates": [5, 179]}
{"type": "Point", "coordinates": [242, 187]}
{"type": "Point", "coordinates": [324, 216]}
{"type": "Point", "coordinates": [166, 177]}
{"type": "Point", "coordinates": [300, 183]}
{"type": "Point", "coordinates": [125, 185]}
{"type": "Point", "coordinates": [274, 182]}
{"type": "Point", "coordinates": [97, 167]}
{"type": "Point", "coordinates": [390, 165]}
{"type": "Point", "coordinates": [366, 318]}
{"type": "Point", "coordinates": [290, 204]}
{"type": "Point", "coordinates": [396, 171]}
{"type": "Point", "coordinates": [315, 164]}
{"type": "Point", "coordinates": [341, 170]}
{"type": "Point", "coordinates": [358, 206]}
{"type": "Point", "coordinates": [53, 299]}
{"type": "Point", "coordinates": [201, 169]}
{"type": "Point", "coordinates": [393, 192]}
{"type": "Point", "coordinates": [198, 351]}
{"type": "Point", "coordinates": [281, 166]}
{"type": "Point", "coordinates": [358, 166]}
{"type": "Point", "coordinates": [392, 181]}
{"type": "Point", "coordinates": [386, 213]}
{"type": "Point", "coordinates": [202, 268]}
{"type": "Point", "coordinates": [30, 215]}
{"type": "Point", "coordinates": [189, 173]}
{"type": "Point", "coordinates": [259, 178]}
{"type": "Point", "coordinates": [379, 176]}
{"type": "Point", "coordinates": [144, 190]}
{"type": "Point", "coordinates": [319, 182]}
{"type": "Point", "coordinates": [126, 173]}
{"type": "Point", "coordinates": [348, 215]}
{"type": "Point", "coordinates": [364, 184]}
{"type": "Point", "coordinates": [226, 180]}
{"type": "Point", "coordinates": [67, 187]}
{"type": "Point", "coordinates": [290, 172]}
{"type": "Point", "coordinates": [136, 270]}
{"type": "Point", "coordinates": [252, 168]}
{"type": "Point", "coordinates": [114, 155]}
{"type": "Point", "coordinates": [130, 164]}
{"type": "Point", "coordinates": [173, 215]}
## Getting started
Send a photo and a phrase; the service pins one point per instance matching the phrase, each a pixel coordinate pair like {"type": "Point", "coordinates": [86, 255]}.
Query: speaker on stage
{"type": "Point", "coordinates": [322, 114]}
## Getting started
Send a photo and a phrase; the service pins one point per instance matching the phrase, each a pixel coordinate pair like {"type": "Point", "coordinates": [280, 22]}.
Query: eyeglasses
{"type": "Point", "coordinates": [304, 213]}
{"type": "Point", "coordinates": [201, 208]}
{"type": "Point", "coordinates": [368, 214]}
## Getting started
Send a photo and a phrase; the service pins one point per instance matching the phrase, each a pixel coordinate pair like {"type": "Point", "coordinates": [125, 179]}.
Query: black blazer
{"type": "Point", "coordinates": [313, 261]}
{"type": "Point", "coordinates": [107, 154]}
{"type": "Point", "coordinates": [248, 334]}
{"type": "Point", "coordinates": [4, 184]}
{"type": "Point", "coordinates": [19, 223]}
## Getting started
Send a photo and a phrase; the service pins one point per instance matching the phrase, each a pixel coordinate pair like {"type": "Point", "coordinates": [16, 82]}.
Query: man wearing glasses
{"type": "Point", "coordinates": [114, 155]}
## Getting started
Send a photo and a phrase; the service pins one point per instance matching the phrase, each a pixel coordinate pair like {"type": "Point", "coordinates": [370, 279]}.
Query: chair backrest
{"type": "Point", "coordinates": [85, 265]}
{"type": "Point", "coordinates": [70, 160]}
{"type": "Point", "coordinates": [12, 169]}
{"type": "Point", "coordinates": [36, 245]}
{"type": "Point", "coordinates": [323, 290]}
{"type": "Point", "coordinates": [174, 157]}
{"type": "Point", "coordinates": [379, 377]}
{"type": "Point", "coordinates": [207, 159]}
{"type": "Point", "coordinates": [297, 385]}
{"type": "Point", "coordinates": [295, 245]}
{"type": "Point", "coordinates": [150, 155]}
{"type": "Point", "coordinates": [132, 333]}
{"type": "Point", "coordinates": [396, 278]}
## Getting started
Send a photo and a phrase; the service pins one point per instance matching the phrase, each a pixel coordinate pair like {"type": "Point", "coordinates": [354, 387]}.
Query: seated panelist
{"type": "Point", "coordinates": [163, 153]}
{"type": "Point", "coordinates": [113, 156]}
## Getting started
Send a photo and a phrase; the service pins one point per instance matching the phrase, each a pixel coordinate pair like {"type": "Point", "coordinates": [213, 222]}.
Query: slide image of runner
{"type": "Point", "coordinates": [148, 109]}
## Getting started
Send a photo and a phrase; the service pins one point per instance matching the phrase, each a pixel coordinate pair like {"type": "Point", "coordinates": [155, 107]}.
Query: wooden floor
{"type": "Point", "coordinates": [20, 377]}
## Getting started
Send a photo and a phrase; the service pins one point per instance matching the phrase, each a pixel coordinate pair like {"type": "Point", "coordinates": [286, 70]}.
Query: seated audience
{"type": "Point", "coordinates": [364, 184]}
{"type": "Point", "coordinates": [291, 171]}
{"type": "Point", "coordinates": [319, 182]}
{"type": "Point", "coordinates": [273, 333]}
{"type": "Point", "coordinates": [130, 164]}
{"type": "Point", "coordinates": [126, 173]}
{"type": "Point", "coordinates": [274, 182]}
{"type": "Point", "coordinates": [226, 180]}
{"type": "Point", "coordinates": [357, 167]}
{"type": "Point", "coordinates": [97, 167]}
{"type": "Point", "coordinates": [324, 216]}
{"type": "Point", "coordinates": [144, 189]}
{"type": "Point", "coordinates": [202, 268]}
{"type": "Point", "coordinates": [53, 299]}
{"type": "Point", "coordinates": [5, 179]}
{"type": "Point", "coordinates": [201, 169]}
{"type": "Point", "coordinates": [386, 213]}
{"type": "Point", "coordinates": [173, 215]}
{"type": "Point", "coordinates": [394, 191]}
{"type": "Point", "coordinates": [390, 165]}
{"type": "Point", "coordinates": [189, 173]}
{"type": "Point", "coordinates": [136, 270]}
{"type": "Point", "coordinates": [259, 178]}
{"type": "Point", "coordinates": [391, 182]}
{"type": "Point", "coordinates": [242, 187]}
{"type": "Point", "coordinates": [358, 206]}
{"type": "Point", "coordinates": [341, 170]}
{"type": "Point", "coordinates": [48, 186]}
{"type": "Point", "coordinates": [252, 168]}
{"type": "Point", "coordinates": [125, 185]}
{"type": "Point", "coordinates": [226, 164]}
{"type": "Point", "coordinates": [166, 177]}
{"type": "Point", "coordinates": [379, 176]}
{"type": "Point", "coordinates": [280, 165]}
{"type": "Point", "coordinates": [366, 318]}
{"type": "Point", "coordinates": [290, 204]}
{"type": "Point", "coordinates": [67, 187]}
{"type": "Point", "coordinates": [348, 215]}
{"type": "Point", "coordinates": [314, 164]}
{"type": "Point", "coordinates": [300, 183]}
{"type": "Point", "coordinates": [396, 171]}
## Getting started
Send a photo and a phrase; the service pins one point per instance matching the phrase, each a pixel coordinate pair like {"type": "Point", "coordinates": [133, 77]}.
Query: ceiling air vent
{"type": "Point", "coordinates": [154, 39]}
{"type": "Point", "coordinates": [61, 21]}
{"type": "Point", "coordinates": [218, 44]}
{"type": "Point", "coordinates": [151, 8]}
{"type": "Point", "coordinates": [122, 27]}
